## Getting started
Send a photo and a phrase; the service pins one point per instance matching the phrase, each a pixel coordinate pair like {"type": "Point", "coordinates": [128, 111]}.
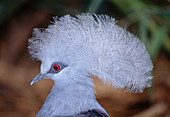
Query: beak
{"type": "Point", "coordinates": [39, 77]}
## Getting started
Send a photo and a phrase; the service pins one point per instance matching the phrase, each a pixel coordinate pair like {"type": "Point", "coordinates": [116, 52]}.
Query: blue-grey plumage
{"type": "Point", "coordinates": [73, 48]}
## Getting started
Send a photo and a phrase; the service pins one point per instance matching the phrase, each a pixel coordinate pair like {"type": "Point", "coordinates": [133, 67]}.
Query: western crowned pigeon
{"type": "Point", "coordinates": [72, 49]}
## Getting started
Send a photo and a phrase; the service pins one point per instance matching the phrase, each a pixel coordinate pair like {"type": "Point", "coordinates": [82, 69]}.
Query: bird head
{"type": "Point", "coordinates": [52, 72]}
{"type": "Point", "coordinates": [91, 44]}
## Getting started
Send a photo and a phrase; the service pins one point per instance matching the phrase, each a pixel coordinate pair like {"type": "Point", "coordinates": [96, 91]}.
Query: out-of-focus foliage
{"type": "Point", "coordinates": [7, 7]}
{"type": "Point", "coordinates": [153, 22]}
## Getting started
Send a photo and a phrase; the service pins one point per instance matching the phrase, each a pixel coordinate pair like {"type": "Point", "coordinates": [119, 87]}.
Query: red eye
{"type": "Point", "coordinates": [56, 67]}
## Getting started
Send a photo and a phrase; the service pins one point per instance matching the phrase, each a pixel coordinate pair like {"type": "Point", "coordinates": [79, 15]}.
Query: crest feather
{"type": "Point", "coordinates": [96, 44]}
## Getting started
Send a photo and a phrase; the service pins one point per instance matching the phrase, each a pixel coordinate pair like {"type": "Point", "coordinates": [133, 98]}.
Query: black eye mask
{"type": "Point", "coordinates": [56, 67]}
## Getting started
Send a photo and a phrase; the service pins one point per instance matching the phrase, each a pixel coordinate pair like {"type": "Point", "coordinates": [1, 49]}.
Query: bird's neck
{"type": "Point", "coordinates": [70, 99]}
